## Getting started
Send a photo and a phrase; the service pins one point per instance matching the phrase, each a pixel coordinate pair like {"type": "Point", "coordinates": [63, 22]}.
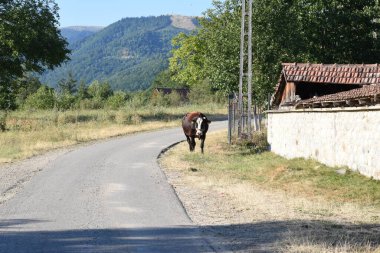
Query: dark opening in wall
{"type": "Point", "coordinates": [310, 90]}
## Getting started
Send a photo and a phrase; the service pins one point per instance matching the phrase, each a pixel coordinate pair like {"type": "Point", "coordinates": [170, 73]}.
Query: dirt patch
{"type": "Point", "coordinates": [247, 218]}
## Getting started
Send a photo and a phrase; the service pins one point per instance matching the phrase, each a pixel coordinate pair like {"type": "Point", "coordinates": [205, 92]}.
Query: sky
{"type": "Point", "coordinates": [106, 12]}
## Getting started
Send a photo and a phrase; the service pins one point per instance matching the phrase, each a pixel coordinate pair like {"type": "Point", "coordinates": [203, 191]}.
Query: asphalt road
{"type": "Point", "coordinates": [106, 197]}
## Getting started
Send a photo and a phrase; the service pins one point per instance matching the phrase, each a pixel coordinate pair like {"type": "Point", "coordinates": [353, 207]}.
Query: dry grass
{"type": "Point", "coordinates": [293, 205]}
{"type": "Point", "coordinates": [31, 133]}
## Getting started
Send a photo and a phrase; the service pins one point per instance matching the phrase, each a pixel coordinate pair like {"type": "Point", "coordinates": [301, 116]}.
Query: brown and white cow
{"type": "Point", "coordinates": [195, 125]}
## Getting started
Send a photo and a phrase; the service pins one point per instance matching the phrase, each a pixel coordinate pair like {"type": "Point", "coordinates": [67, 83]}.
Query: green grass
{"type": "Point", "coordinates": [307, 178]}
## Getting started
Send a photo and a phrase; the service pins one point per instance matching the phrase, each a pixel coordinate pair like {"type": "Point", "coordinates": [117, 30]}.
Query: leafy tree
{"type": "Point", "coordinates": [7, 95]}
{"type": "Point", "coordinates": [213, 52]}
{"type": "Point", "coordinates": [82, 92]}
{"type": "Point", "coordinates": [98, 93]}
{"type": "Point", "coordinates": [221, 32]}
{"type": "Point", "coordinates": [43, 99]}
{"type": "Point", "coordinates": [100, 90]}
{"type": "Point", "coordinates": [68, 85]}
{"type": "Point", "coordinates": [29, 41]}
{"type": "Point", "coordinates": [117, 100]}
{"type": "Point", "coordinates": [26, 86]}
{"type": "Point", "coordinates": [65, 100]}
{"type": "Point", "coordinates": [336, 31]}
{"type": "Point", "coordinates": [164, 79]}
{"type": "Point", "coordinates": [187, 62]}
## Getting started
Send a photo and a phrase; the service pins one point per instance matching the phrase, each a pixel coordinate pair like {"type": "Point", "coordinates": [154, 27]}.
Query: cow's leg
{"type": "Point", "coordinates": [203, 143]}
{"type": "Point", "coordinates": [192, 144]}
{"type": "Point", "coordinates": [189, 141]}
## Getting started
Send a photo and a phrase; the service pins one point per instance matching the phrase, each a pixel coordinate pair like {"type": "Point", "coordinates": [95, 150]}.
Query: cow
{"type": "Point", "coordinates": [195, 125]}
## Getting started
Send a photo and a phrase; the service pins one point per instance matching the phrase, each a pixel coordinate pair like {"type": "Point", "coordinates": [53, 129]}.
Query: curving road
{"type": "Point", "coordinates": [107, 197]}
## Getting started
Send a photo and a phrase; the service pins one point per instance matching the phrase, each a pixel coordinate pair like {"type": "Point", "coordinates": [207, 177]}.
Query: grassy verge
{"type": "Point", "coordinates": [320, 210]}
{"type": "Point", "coordinates": [29, 133]}
{"type": "Point", "coordinates": [307, 178]}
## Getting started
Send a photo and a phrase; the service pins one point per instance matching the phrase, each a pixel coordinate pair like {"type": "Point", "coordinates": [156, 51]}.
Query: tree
{"type": "Point", "coordinates": [68, 85]}
{"type": "Point", "coordinates": [29, 41]}
{"type": "Point", "coordinates": [164, 79]}
{"type": "Point", "coordinates": [43, 99]}
{"type": "Point", "coordinates": [117, 100]}
{"type": "Point", "coordinates": [186, 63]}
{"type": "Point", "coordinates": [26, 86]}
{"type": "Point", "coordinates": [212, 53]}
{"type": "Point", "coordinates": [320, 31]}
{"type": "Point", "coordinates": [82, 92]}
{"type": "Point", "coordinates": [100, 90]}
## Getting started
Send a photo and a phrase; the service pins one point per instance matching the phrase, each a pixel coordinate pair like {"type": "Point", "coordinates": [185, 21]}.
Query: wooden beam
{"type": "Point", "coordinates": [339, 103]}
{"type": "Point", "coordinates": [351, 102]}
{"type": "Point", "coordinates": [364, 101]}
{"type": "Point", "coordinates": [327, 104]}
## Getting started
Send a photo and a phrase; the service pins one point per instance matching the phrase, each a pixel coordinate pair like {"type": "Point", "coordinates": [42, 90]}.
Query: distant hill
{"type": "Point", "coordinates": [74, 34]}
{"type": "Point", "coordinates": [128, 54]}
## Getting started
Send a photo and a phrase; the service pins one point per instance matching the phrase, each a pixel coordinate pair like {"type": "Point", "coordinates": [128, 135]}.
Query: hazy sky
{"type": "Point", "coordinates": [105, 12]}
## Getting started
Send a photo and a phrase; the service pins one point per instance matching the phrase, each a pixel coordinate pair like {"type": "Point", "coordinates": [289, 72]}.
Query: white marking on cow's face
{"type": "Point", "coordinates": [199, 126]}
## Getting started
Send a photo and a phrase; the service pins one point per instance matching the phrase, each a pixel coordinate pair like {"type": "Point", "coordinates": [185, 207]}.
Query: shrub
{"type": "Point", "coordinates": [43, 99]}
{"type": "Point", "coordinates": [65, 101]}
{"type": "Point", "coordinates": [117, 100]}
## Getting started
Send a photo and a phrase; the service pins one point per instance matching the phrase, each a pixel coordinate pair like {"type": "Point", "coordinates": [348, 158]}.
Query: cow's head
{"type": "Point", "coordinates": [201, 125]}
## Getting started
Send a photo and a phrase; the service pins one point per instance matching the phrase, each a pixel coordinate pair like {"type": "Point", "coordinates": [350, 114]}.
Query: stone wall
{"type": "Point", "coordinates": [336, 137]}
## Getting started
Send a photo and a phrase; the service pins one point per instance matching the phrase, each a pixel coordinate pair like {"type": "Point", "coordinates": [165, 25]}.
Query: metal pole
{"type": "Point", "coordinates": [230, 104]}
{"type": "Point", "coordinates": [241, 75]}
{"type": "Point", "coordinates": [249, 112]}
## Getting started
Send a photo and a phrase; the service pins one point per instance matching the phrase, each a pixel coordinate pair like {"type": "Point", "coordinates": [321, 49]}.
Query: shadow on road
{"type": "Point", "coordinates": [257, 237]}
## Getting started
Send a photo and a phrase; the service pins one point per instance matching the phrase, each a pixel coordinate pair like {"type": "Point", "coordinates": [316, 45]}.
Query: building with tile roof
{"type": "Point", "coordinates": [330, 113]}
{"type": "Point", "coordinates": [313, 85]}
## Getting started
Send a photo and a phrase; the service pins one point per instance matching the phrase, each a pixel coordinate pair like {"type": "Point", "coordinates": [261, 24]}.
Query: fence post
{"type": "Point", "coordinates": [230, 116]}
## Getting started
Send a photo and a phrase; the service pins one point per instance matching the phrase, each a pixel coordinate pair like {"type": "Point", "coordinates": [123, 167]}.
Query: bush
{"type": "Point", "coordinates": [117, 100]}
{"type": "Point", "coordinates": [65, 101]}
{"type": "Point", "coordinates": [43, 99]}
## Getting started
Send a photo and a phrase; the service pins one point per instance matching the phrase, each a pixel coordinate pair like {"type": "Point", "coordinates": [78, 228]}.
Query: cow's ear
{"type": "Point", "coordinates": [208, 121]}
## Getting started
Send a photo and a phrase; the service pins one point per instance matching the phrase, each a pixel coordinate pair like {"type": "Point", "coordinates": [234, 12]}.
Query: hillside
{"type": "Point", "coordinates": [74, 34]}
{"type": "Point", "coordinates": [128, 54]}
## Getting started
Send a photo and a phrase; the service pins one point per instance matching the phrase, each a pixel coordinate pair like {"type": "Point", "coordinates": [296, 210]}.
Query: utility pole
{"type": "Point", "coordinates": [245, 109]}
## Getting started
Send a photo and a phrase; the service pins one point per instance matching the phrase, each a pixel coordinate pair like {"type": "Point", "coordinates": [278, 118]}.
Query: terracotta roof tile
{"type": "Point", "coordinates": [359, 74]}
{"type": "Point", "coordinates": [367, 91]}
{"type": "Point", "coordinates": [349, 74]}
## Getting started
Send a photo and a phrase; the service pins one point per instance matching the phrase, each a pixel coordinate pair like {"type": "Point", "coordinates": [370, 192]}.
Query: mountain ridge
{"type": "Point", "coordinates": [128, 53]}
